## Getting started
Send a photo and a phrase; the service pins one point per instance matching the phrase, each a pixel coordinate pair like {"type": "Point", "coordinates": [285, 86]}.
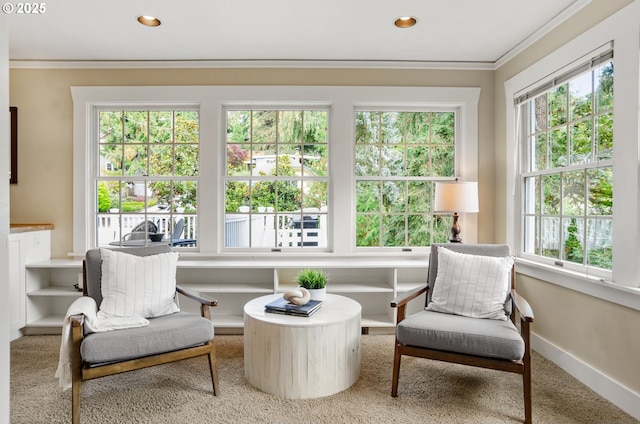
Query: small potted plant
{"type": "Point", "coordinates": [315, 281]}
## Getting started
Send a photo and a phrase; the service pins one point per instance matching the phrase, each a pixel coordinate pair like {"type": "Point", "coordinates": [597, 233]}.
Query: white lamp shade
{"type": "Point", "coordinates": [456, 197]}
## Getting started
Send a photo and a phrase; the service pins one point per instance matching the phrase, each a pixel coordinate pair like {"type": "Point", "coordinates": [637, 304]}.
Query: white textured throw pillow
{"type": "Point", "coordinates": [138, 286]}
{"type": "Point", "coordinates": [471, 285]}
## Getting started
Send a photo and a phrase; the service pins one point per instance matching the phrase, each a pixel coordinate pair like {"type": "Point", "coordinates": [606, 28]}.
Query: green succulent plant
{"type": "Point", "coordinates": [312, 279]}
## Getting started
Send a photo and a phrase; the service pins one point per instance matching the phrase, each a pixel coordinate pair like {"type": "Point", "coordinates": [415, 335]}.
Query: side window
{"type": "Point", "coordinates": [568, 169]}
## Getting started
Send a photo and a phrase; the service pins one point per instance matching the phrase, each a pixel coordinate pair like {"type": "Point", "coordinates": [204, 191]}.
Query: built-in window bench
{"type": "Point", "coordinates": [233, 281]}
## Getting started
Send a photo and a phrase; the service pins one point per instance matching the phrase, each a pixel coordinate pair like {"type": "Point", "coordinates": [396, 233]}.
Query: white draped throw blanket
{"type": "Point", "coordinates": [87, 306]}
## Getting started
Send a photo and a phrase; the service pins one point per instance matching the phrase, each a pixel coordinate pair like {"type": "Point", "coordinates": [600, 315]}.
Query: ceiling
{"type": "Point", "coordinates": [448, 31]}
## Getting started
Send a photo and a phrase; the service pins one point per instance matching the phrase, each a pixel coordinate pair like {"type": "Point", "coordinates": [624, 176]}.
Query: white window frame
{"type": "Point", "coordinates": [623, 30]}
{"type": "Point", "coordinates": [211, 100]}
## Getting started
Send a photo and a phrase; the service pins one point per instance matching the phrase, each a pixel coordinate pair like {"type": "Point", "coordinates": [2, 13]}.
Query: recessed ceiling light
{"type": "Point", "coordinates": [149, 21]}
{"type": "Point", "coordinates": [405, 22]}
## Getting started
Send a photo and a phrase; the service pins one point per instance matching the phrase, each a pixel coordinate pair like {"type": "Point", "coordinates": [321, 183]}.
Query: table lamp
{"type": "Point", "coordinates": [456, 196]}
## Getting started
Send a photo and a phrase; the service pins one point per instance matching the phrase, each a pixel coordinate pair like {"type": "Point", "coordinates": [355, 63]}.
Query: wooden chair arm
{"type": "Point", "coordinates": [77, 320]}
{"type": "Point", "coordinates": [195, 296]}
{"type": "Point", "coordinates": [405, 298]}
{"type": "Point", "coordinates": [522, 306]}
{"type": "Point", "coordinates": [401, 301]}
{"type": "Point", "coordinates": [77, 334]}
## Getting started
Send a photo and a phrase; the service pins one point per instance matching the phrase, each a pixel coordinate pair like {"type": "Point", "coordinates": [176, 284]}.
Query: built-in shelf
{"type": "Point", "coordinates": [371, 281]}
{"type": "Point", "coordinates": [56, 291]}
{"type": "Point", "coordinates": [405, 287]}
{"type": "Point", "coordinates": [376, 321]}
{"type": "Point", "coordinates": [50, 321]}
{"type": "Point", "coordinates": [57, 264]}
{"type": "Point", "coordinates": [358, 288]}
{"type": "Point", "coordinates": [225, 288]}
{"type": "Point", "coordinates": [228, 321]}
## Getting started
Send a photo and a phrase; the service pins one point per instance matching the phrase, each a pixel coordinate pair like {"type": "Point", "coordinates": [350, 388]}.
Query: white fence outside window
{"type": "Point", "coordinates": [265, 230]}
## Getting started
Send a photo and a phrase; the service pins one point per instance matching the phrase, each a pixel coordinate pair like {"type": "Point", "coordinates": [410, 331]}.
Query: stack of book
{"type": "Point", "coordinates": [283, 306]}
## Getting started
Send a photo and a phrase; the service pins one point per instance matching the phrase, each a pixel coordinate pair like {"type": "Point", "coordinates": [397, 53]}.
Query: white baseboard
{"type": "Point", "coordinates": [616, 393]}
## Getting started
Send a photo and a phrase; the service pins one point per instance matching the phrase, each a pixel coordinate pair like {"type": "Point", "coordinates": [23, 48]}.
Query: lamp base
{"type": "Point", "coordinates": [455, 230]}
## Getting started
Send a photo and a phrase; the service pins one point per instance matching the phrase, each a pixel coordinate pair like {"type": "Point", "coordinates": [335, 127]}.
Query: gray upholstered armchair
{"type": "Point", "coordinates": [167, 338]}
{"type": "Point", "coordinates": [465, 335]}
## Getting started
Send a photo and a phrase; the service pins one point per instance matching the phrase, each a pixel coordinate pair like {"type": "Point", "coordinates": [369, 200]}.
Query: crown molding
{"type": "Point", "coordinates": [544, 30]}
{"type": "Point", "coordinates": [204, 64]}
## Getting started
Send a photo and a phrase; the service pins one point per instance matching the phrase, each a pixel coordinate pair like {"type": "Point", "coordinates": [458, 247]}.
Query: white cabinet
{"type": "Point", "coordinates": [50, 291]}
{"type": "Point", "coordinates": [24, 247]}
{"type": "Point", "coordinates": [233, 281]}
{"type": "Point", "coordinates": [16, 289]}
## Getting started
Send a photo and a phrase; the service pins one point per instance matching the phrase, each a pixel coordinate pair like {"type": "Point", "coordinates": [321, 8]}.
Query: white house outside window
{"type": "Point", "coordinates": [276, 188]}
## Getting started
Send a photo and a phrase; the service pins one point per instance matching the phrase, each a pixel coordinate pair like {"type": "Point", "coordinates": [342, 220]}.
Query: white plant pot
{"type": "Point", "coordinates": [318, 294]}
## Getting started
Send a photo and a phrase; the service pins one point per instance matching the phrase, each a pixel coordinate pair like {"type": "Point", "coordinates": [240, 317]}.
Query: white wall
{"type": "Point", "coordinates": [4, 221]}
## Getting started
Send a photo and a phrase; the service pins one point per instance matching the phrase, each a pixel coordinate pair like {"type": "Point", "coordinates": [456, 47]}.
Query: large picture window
{"type": "Point", "coordinates": [567, 133]}
{"type": "Point", "coordinates": [277, 179]}
{"type": "Point", "coordinates": [398, 157]}
{"type": "Point", "coordinates": [146, 182]}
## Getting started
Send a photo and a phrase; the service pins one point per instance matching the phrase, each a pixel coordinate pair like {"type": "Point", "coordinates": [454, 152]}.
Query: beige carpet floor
{"type": "Point", "coordinates": [430, 392]}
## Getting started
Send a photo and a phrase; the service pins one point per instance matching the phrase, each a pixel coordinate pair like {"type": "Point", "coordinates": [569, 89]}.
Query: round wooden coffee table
{"type": "Point", "coordinates": [302, 357]}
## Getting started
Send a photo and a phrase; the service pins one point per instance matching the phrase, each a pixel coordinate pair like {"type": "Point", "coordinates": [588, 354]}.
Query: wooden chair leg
{"type": "Point", "coordinates": [76, 370]}
{"type": "Point", "coordinates": [526, 373]}
{"type": "Point", "coordinates": [396, 372]}
{"type": "Point", "coordinates": [75, 402]}
{"type": "Point", "coordinates": [526, 382]}
{"type": "Point", "coordinates": [214, 370]}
